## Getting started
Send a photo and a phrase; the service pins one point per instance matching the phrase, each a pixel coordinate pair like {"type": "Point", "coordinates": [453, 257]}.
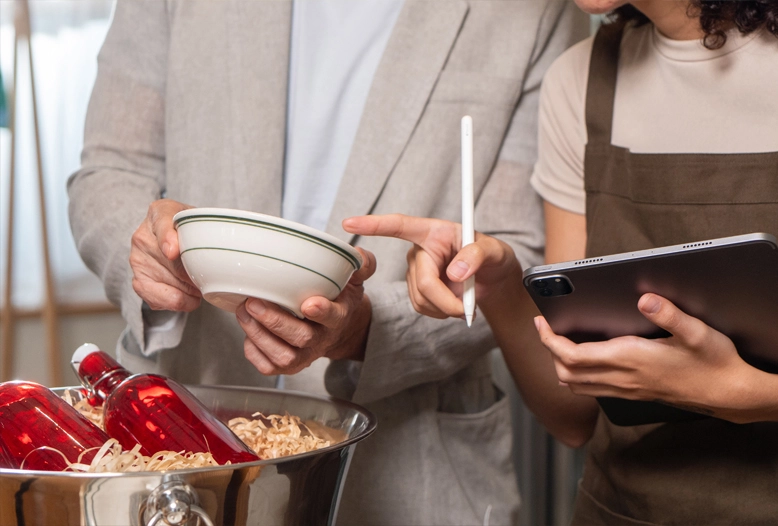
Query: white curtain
{"type": "Point", "coordinates": [67, 35]}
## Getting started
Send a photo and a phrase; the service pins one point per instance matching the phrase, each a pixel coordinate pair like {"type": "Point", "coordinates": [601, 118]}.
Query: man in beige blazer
{"type": "Point", "coordinates": [190, 105]}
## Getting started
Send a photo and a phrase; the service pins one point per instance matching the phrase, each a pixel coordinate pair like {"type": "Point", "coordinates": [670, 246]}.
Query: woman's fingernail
{"type": "Point", "coordinates": [313, 311]}
{"type": "Point", "coordinates": [459, 269]}
{"type": "Point", "coordinates": [166, 248]}
{"type": "Point", "coordinates": [242, 314]}
{"type": "Point", "coordinates": [651, 305]}
{"type": "Point", "coordinates": [536, 319]}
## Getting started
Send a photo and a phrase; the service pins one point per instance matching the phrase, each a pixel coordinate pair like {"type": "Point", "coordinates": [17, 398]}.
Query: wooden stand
{"type": "Point", "coordinates": [49, 311]}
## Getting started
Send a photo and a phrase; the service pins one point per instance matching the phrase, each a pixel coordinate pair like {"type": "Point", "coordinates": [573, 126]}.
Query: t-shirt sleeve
{"type": "Point", "coordinates": [558, 172]}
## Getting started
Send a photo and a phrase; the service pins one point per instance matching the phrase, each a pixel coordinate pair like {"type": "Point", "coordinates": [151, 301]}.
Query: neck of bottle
{"type": "Point", "coordinates": [100, 373]}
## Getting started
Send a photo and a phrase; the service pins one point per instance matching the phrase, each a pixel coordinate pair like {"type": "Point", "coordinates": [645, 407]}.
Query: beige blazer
{"type": "Point", "coordinates": [190, 102]}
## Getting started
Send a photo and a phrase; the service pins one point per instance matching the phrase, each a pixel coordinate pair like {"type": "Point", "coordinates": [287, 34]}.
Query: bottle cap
{"type": "Point", "coordinates": [81, 353]}
{"type": "Point", "coordinates": [98, 371]}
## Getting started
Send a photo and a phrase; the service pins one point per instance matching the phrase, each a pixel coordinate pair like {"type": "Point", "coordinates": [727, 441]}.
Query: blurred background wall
{"type": "Point", "coordinates": [66, 36]}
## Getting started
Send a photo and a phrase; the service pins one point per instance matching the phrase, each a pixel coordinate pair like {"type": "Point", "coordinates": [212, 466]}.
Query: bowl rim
{"type": "Point", "coordinates": [349, 252]}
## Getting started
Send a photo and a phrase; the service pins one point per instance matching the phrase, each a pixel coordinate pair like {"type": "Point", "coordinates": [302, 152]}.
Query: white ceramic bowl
{"type": "Point", "coordinates": [233, 254]}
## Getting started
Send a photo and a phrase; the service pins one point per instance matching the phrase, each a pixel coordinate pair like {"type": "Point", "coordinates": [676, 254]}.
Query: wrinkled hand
{"type": "Point", "coordinates": [159, 277]}
{"type": "Point", "coordinates": [696, 368]}
{"type": "Point", "coordinates": [277, 342]}
{"type": "Point", "coordinates": [436, 265]}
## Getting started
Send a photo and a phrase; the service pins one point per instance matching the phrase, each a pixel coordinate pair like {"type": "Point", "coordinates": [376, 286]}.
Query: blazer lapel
{"type": "Point", "coordinates": [414, 57]}
{"type": "Point", "coordinates": [258, 42]}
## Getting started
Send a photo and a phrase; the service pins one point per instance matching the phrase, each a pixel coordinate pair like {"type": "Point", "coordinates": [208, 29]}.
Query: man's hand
{"type": "Point", "coordinates": [159, 277]}
{"type": "Point", "coordinates": [277, 342]}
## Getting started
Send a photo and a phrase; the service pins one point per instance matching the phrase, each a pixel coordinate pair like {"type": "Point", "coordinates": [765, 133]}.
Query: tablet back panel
{"type": "Point", "coordinates": [730, 283]}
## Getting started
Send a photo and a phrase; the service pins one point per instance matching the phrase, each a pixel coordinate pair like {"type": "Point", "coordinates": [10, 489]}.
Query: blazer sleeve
{"type": "Point", "coordinates": [123, 160]}
{"type": "Point", "coordinates": [510, 208]}
{"type": "Point", "coordinates": [405, 349]}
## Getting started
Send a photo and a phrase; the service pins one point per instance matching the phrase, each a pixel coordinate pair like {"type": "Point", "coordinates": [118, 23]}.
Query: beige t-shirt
{"type": "Point", "coordinates": [671, 97]}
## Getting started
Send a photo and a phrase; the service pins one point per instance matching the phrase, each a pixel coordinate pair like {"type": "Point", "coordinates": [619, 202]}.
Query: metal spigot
{"type": "Point", "coordinates": [172, 503]}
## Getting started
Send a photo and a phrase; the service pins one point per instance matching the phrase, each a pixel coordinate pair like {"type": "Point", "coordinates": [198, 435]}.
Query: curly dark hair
{"type": "Point", "coordinates": [716, 17]}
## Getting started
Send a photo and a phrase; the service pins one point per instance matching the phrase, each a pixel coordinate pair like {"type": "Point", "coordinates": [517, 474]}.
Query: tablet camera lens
{"type": "Point", "coordinates": [540, 284]}
{"type": "Point", "coordinates": [546, 292]}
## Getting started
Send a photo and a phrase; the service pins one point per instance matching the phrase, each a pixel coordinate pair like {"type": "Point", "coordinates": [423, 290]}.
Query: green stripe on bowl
{"type": "Point", "coordinates": [266, 257]}
{"type": "Point", "coordinates": [270, 226]}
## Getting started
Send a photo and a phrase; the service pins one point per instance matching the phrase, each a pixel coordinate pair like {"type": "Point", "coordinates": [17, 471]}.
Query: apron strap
{"type": "Point", "coordinates": [601, 86]}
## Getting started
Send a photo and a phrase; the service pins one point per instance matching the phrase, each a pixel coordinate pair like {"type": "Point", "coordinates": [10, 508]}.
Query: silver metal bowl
{"type": "Point", "coordinates": [300, 490]}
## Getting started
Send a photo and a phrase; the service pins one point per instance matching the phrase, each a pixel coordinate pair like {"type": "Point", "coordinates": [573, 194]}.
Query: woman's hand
{"type": "Point", "coordinates": [697, 368]}
{"type": "Point", "coordinates": [158, 276]}
{"type": "Point", "coordinates": [436, 269]}
{"type": "Point", "coordinates": [436, 265]}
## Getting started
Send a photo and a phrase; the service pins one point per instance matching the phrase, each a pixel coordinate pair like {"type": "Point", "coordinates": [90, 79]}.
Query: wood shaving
{"type": "Point", "coordinates": [272, 436]}
{"type": "Point", "coordinates": [110, 458]}
{"type": "Point", "coordinates": [276, 436]}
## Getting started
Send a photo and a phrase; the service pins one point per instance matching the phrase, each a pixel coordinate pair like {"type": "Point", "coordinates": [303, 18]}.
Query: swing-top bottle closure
{"type": "Point", "coordinates": [98, 372]}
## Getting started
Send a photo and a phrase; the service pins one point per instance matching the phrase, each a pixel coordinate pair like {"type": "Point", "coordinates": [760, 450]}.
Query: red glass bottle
{"type": "Point", "coordinates": [33, 417]}
{"type": "Point", "coordinates": [155, 411]}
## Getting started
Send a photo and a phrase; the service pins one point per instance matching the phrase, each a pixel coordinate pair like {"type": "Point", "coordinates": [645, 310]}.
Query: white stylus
{"type": "Point", "coordinates": [468, 229]}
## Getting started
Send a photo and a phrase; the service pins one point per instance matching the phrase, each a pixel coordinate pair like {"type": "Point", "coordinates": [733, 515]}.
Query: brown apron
{"type": "Point", "coordinates": [705, 471]}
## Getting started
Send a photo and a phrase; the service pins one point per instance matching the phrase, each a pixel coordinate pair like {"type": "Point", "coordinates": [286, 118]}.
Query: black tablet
{"type": "Point", "coordinates": [730, 283]}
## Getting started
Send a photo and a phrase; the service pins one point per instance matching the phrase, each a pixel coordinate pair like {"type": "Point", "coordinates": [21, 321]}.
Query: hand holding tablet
{"type": "Point", "coordinates": [730, 284]}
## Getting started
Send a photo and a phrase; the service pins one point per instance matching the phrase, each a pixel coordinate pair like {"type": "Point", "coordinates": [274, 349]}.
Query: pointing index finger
{"type": "Point", "coordinates": [400, 226]}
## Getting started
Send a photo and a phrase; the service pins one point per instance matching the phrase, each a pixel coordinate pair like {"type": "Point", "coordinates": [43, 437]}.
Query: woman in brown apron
{"type": "Point", "coordinates": [704, 471]}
